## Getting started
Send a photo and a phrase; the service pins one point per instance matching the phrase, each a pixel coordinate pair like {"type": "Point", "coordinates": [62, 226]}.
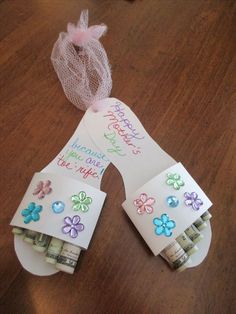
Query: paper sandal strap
{"type": "Point", "coordinates": [60, 206]}
{"type": "Point", "coordinates": [166, 206]}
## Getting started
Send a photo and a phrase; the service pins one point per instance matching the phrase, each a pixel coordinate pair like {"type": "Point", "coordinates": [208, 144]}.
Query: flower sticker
{"type": "Point", "coordinates": [144, 204]}
{"type": "Point", "coordinates": [174, 179]}
{"type": "Point", "coordinates": [31, 212]}
{"type": "Point", "coordinates": [164, 225]}
{"type": "Point", "coordinates": [81, 202]}
{"type": "Point", "coordinates": [72, 226]}
{"type": "Point", "coordinates": [42, 189]}
{"type": "Point", "coordinates": [191, 199]}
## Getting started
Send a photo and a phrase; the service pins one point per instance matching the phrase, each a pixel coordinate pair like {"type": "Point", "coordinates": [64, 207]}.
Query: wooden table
{"type": "Point", "coordinates": [174, 63]}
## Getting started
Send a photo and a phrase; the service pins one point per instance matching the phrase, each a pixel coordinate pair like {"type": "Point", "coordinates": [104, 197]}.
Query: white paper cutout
{"type": "Point", "coordinates": [120, 135]}
{"type": "Point", "coordinates": [80, 159]}
{"type": "Point", "coordinates": [51, 223]}
{"type": "Point", "coordinates": [32, 261]}
{"type": "Point", "coordinates": [182, 215]}
{"type": "Point", "coordinates": [80, 144]}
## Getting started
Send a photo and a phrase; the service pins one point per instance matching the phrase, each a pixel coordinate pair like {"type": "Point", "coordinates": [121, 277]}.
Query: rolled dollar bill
{"type": "Point", "coordinates": [18, 230]}
{"type": "Point", "coordinates": [176, 256]}
{"type": "Point", "coordinates": [206, 216]}
{"type": "Point", "coordinates": [68, 258]}
{"type": "Point", "coordinates": [54, 250]}
{"type": "Point", "coordinates": [41, 242]}
{"type": "Point", "coordinates": [29, 236]}
{"type": "Point", "coordinates": [200, 224]}
{"type": "Point", "coordinates": [187, 244]}
{"type": "Point", "coordinates": [194, 234]}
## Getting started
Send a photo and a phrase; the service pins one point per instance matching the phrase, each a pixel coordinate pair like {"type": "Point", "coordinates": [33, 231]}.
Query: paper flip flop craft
{"type": "Point", "coordinates": [63, 201]}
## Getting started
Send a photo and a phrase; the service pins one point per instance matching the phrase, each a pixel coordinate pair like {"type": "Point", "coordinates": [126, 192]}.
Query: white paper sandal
{"type": "Point", "coordinates": [69, 208]}
{"type": "Point", "coordinates": [162, 199]}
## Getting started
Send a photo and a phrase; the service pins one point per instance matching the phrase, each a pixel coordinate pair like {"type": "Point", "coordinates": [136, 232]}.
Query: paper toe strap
{"type": "Point", "coordinates": [165, 206]}
{"type": "Point", "coordinates": [60, 206]}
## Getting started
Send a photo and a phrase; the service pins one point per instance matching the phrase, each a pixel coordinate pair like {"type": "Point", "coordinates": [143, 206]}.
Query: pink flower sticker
{"type": "Point", "coordinates": [144, 204]}
{"type": "Point", "coordinates": [42, 189]}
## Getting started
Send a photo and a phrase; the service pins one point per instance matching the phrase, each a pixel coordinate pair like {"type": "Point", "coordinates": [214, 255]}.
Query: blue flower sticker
{"type": "Point", "coordinates": [164, 225]}
{"type": "Point", "coordinates": [31, 212]}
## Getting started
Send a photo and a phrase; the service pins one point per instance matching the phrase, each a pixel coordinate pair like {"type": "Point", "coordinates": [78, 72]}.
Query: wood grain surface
{"type": "Point", "coordinates": [173, 62]}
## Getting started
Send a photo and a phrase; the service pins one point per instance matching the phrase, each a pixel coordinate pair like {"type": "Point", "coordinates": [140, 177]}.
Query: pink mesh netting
{"type": "Point", "coordinates": [81, 63]}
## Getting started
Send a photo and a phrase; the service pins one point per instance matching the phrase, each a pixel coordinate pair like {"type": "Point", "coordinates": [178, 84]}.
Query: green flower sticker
{"type": "Point", "coordinates": [81, 202]}
{"type": "Point", "coordinates": [174, 180]}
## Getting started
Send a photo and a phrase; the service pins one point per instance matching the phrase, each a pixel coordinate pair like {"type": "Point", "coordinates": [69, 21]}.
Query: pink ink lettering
{"type": "Point", "coordinates": [87, 172]}
{"type": "Point", "coordinates": [62, 163]}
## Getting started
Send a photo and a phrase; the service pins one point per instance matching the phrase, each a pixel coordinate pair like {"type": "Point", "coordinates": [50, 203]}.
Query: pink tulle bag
{"type": "Point", "coordinates": [81, 63]}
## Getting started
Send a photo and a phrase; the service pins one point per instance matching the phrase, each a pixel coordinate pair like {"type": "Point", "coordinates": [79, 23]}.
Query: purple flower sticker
{"type": "Point", "coordinates": [191, 199]}
{"type": "Point", "coordinates": [42, 189]}
{"type": "Point", "coordinates": [72, 226]}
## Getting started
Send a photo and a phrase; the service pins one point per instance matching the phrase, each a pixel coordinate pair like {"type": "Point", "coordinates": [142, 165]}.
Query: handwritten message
{"type": "Point", "coordinates": [121, 129]}
{"type": "Point", "coordinates": [81, 159]}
